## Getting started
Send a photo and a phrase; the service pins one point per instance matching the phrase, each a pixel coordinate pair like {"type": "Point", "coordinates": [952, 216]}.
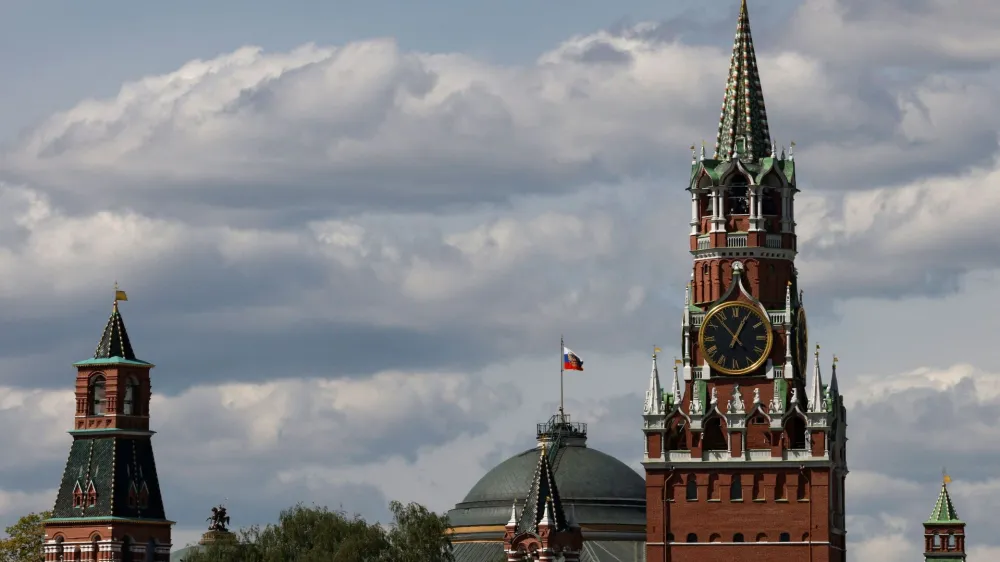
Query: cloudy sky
{"type": "Point", "coordinates": [353, 232]}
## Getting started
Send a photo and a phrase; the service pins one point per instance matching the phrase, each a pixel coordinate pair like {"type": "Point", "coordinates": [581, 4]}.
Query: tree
{"type": "Point", "coordinates": [316, 534]}
{"type": "Point", "coordinates": [24, 539]}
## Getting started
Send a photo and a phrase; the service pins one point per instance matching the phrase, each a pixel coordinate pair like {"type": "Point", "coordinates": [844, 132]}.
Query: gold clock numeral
{"type": "Point", "coordinates": [736, 312]}
{"type": "Point", "coordinates": [758, 324]}
{"type": "Point", "coordinates": [710, 338]}
{"type": "Point", "coordinates": [762, 337]}
{"type": "Point", "coordinates": [722, 361]}
{"type": "Point", "coordinates": [758, 350]}
{"type": "Point", "coordinates": [711, 351]}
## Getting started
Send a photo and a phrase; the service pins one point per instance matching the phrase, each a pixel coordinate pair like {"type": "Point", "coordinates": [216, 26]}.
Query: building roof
{"type": "Point", "coordinates": [944, 510]}
{"type": "Point", "coordinates": [114, 346]}
{"type": "Point", "coordinates": [743, 129]}
{"type": "Point", "coordinates": [593, 551]}
{"type": "Point", "coordinates": [593, 488]}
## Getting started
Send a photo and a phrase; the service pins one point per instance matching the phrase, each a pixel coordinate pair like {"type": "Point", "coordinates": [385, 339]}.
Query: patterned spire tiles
{"type": "Point", "coordinates": [944, 510]}
{"type": "Point", "coordinates": [114, 342]}
{"type": "Point", "coordinates": [743, 129]}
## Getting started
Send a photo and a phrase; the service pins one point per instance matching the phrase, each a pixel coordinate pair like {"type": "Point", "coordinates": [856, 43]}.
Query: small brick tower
{"type": "Point", "coordinates": [745, 457]}
{"type": "Point", "coordinates": [542, 532]}
{"type": "Point", "coordinates": [944, 532]}
{"type": "Point", "coordinates": [109, 506]}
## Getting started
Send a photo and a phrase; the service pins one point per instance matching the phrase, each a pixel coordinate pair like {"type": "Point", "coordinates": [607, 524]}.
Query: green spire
{"type": "Point", "coordinates": [743, 124]}
{"type": "Point", "coordinates": [944, 510]}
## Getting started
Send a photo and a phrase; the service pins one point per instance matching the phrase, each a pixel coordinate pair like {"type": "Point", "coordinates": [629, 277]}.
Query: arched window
{"type": "Point", "coordinates": [670, 537]}
{"type": "Point", "coordinates": [715, 537]}
{"type": "Point", "coordinates": [151, 550]}
{"type": "Point", "coordinates": [94, 541]}
{"type": "Point", "coordinates": [59, 548]}
{"type": "Point", "coordinates": [769, 202]}
{"type": "Point", "coordinates": [77, 554]}
{"type": "Point", "coordinates": [738, 202]}
{"type": "Point", "coordinates": [692, 537]}
{"type": "Point", "coordinates": [779, 486]}
{"type": "Point", "coordinates": [805, 537]}
{"type": "Point", "coordinates": [127, 549]}
{"type": "Point", "coordinates": [761, 537]}
{"type": "Point", "coordinates": [713, 438]}
{"type": "Point", "coordinates": [951, 540]}
{"type": "Point", "coordinates": [736, 490]}
{"type": "Point", "coordinates": [738, 537]}
{"type": "Point", "coordinates": [784, 537]}
{"type": "Point", "coordinates": [692, 489]}
{"type": "Point", "coordinates": [795, 432]}
{"type": "Point", "coordinates": [97, 395]}
{"type": "Point", "coordinates": [130, 406]}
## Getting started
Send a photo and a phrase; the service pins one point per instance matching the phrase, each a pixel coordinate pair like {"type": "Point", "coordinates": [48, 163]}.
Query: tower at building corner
{"type": "Point", "coordinates": [109, 506]}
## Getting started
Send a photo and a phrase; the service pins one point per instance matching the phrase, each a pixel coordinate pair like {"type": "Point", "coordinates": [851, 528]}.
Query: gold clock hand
{"type": "Point", "coordinates": [736, 334]}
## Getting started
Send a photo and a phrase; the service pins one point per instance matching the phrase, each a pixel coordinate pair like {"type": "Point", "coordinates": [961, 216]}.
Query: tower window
{"type": "Point", "coordinates": [951, 540]}
{"type": "Point", "coordinates": [97, 395]}
{"type": "Point", "coordinates": [784, 537]}
{"type": "Point", "coordinates": [692, 489]}
{"type": "Point", "coordinates": [736, 490]}
{"type": "Point", "coordinates": [738, 537]}
{"type": "Point", "coordinates": [130, 405]}
{"type": "Point", "coordinates": [795, 431]}
{"type": "Point", "coordinates": [670, 537]}
{"type": "Point", "coordinates": [713, 438]}
{"type": "Point", "coordinates": [738, 202]}
{"type": "Point", "coordinates": [761, 537]}
{"type": "Point", "coordinates": [769, 201]}
{"type": "Point", "coordinates": [692, 537]}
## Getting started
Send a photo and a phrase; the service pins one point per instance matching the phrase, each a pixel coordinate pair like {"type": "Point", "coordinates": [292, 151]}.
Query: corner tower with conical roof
{"type": "Point", "coordinates": [109, 506]}
{"type": "Point", "coordinates": [944, 531]}
{"type": "Point", "coordinates": [745, 456]}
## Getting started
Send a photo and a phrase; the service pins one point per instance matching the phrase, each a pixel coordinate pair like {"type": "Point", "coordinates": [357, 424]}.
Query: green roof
{"type": "Point", "coordinates": [111, 466]}
{"type": "Point", "coordinates": [944, 510]}
{"type": "Point", "coordinates": [743, 129]}
{"type": "Point", "coordinates": [114, 348]}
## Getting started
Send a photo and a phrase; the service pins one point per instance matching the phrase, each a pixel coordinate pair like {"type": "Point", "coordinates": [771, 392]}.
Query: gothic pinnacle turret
{"type": "Point", "coordinates": [654, 395]}
{"type": "Point", "coordinates": [816, 400]}
{"type": "Point", "coordinates": [743, 129]}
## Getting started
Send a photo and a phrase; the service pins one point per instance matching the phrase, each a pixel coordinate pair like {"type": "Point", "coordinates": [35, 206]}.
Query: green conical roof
{"type": "Point", "coordinates": [944, 509]}
{"type": "Point", "coordinates": [743, 126]}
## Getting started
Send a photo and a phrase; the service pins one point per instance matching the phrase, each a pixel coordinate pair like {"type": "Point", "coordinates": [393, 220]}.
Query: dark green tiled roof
{"type": "Point", "coordinates": [112, 464]}
{"type": "Point", "coordinates": [743, 128]}
{"type": "Point", "coordinates": [594, 488]}
{"type": "Point", "coordinates": [114, 341]}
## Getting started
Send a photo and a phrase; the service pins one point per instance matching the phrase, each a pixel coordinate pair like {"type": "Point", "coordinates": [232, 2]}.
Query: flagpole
{"type": "Point", "coordinates": [562, 372]}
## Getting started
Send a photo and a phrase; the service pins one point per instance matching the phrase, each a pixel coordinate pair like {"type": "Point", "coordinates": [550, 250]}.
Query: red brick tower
{"type": "Point", "coordinates": [109, 506]}
{"type": "Point", "coordinates": [748, 462]}
{"type": "Point", "coordinates": [944, 531]}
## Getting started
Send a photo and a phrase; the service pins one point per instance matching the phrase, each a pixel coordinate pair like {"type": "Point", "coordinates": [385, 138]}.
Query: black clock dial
{"type": "Point", "coordinates": [802, 340]}
{"type": "Point", "coordinates": [735, 338]}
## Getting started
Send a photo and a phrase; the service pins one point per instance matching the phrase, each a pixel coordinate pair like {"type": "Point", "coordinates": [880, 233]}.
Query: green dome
{"type": "Point", "coordinates": [595, 489]}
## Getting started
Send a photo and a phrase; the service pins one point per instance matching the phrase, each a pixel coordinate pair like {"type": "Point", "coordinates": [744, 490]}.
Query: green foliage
{"type": "Point", "coordinates": [25, 539]}
{"type": "Point", "coordinates": [316, 534]}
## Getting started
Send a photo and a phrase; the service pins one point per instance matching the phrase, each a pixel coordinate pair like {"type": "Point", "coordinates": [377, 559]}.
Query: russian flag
{"type": "Point", "coordinates": [571, 361]}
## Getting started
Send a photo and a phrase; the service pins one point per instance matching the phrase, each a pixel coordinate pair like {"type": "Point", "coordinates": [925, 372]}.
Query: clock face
{"type": "Point", "coordinates": [802, 340]}
{"type": "Point", "coordinates": [735, 338]}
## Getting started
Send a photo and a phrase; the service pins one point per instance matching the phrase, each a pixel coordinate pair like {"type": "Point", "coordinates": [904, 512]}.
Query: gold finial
{"type": "Point", "coordinates": [945, 479]}
{"type": "Point", "coordinates": [817, 351]}
{"type": "Point", "coordinates": [655, 351]}
{"type": "Point", "coordinates": [835, 359]}
{"type": "Point", "coordinates": [119, 295]}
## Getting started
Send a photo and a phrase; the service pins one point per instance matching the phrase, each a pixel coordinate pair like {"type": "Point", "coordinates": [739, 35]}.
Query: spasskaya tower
{"type": "Point", "coordinates": [745, 453]}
